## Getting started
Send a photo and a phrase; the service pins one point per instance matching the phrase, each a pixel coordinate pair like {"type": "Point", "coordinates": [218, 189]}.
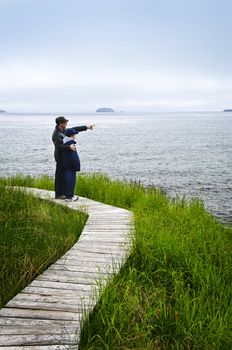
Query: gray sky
{"type": "Point", "coordinates": [131, 55]}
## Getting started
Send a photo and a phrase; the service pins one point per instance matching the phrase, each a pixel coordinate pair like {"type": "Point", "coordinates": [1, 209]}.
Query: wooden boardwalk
{"type": "Point", "coordinates": [47, 314]}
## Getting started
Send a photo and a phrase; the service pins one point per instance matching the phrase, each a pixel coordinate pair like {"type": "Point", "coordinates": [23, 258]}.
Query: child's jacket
{"type": "Point", "coordinates": [71, 159]}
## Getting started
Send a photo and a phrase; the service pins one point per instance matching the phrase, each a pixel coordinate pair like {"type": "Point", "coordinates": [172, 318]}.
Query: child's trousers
{"type": "Point", "coordinates": [70, 182]}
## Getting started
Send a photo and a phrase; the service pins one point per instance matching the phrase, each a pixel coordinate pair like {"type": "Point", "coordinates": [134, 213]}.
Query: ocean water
{"type": "Point", "coordinates": [182, 153]}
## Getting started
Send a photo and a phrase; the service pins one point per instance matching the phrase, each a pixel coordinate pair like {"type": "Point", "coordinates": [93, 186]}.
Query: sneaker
{"type": "Point", "coordinates": [73, 199]}
{"type": "Point", "coordinates": [60, 197]}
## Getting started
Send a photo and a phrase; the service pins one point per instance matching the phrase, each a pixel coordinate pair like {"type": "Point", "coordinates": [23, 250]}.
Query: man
{"type": "Point", "coordinates": [57, 138]}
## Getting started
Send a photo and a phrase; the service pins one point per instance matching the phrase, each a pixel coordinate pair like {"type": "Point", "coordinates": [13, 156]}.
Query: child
{"type": "Point", "coordinates": [71, 163]}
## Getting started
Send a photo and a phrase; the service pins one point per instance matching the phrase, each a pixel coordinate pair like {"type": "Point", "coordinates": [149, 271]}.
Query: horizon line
{"type": "Point", "coordinates": [113, 113]}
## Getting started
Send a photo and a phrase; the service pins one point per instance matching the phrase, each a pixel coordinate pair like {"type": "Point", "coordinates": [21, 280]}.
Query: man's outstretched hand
{"type": "Point", "coordinates": [90, 127]}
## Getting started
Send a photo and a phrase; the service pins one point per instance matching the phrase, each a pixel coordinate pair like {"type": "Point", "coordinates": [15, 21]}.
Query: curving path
{"type": "Point", "coordinates": [48, 313]}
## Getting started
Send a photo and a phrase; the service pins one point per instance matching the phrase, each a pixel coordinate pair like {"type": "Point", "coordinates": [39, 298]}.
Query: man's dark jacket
{"type": "Point", "coordinates": [57, 138]}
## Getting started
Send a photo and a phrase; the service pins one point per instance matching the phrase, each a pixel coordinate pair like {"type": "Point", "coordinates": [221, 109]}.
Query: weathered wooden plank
{"type": "Point", "coordinates": [110, 222]}
{"type": "Point", "coordinates": [60, 285]}
{"type": "Point", "coordinates": [67, 280]}
{"type": "Point", "coordinates": [42, 347]}
{"type": "Point", "coordinates": [115, 214]}
{"type": "Point", "coordinates": [106, 259]}
{"type": "Point", "coordinates": [74, 277]}
{"type": "Point", "coordinates": [106, 239]}
{"type": "Point", "coordinates": [114, 251]}
{"type": "Point", "coordinates": [115, 255]}
{"type": "Point", "coordinates": [89, 203]}
{"type": "Point", "coordinates": [105, 242]}
{"type": "Point", "coordinates": [106, 247]}
{"type": "Point", "coordinates": [110, 218]}
{"type": "Point", "coordinates": [100, 245]}
{"type": "Point", "coordinates": [75, 261]}
{"type": "Point", "coordinates": [77, 277]}
{"type": "Point", "coordinates": [107, 227]}
{"type": "Point", "coordinates": [51, 306]}
{"type": "Point", "coordinates": [42, 329]}
{"type": "Point", "coordinates": [40, 314]}
{"type": "Point", "coordinates": [75, 257]}
{"type": "Point", "coordinates": [96, 230]}
{"type": "Point", "coordinates": [103, 268]}
{"type": "Point", "coordinates": [102, 250]}
{"type": "Point", "coordinates": [38, 339]}
{"type": "Point", "coordinates": [24, 323]}
{"type": "Point", "coordinates": [75, 252]}
{"type": "Point", "coordinates": [99, 211]}
{"type": "Point", "coordinates": [72, 259]}
{"type": "Point", "coordinates": [99, 230]}
{"type": "Point", "coordinates": [114, 220]}
{"type": "Point", "coordinates": [120, 224]}
{"type": "Point", "coordinates": [57, 291]}
{"type": "Point", "coordinates": [26, 298]}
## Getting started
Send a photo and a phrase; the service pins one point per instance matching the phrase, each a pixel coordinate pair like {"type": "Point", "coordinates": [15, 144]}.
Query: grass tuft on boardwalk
{"type": "Point", "coordinates": [33, 234]}
{"type": "Point", "coordinates": [175, 290]}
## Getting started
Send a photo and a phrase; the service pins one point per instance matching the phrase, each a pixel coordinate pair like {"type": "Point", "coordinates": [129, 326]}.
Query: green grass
{"type": "Point", "coordinates": [33, 234]}
{"type": "Point", "coordinates": [175, 290]}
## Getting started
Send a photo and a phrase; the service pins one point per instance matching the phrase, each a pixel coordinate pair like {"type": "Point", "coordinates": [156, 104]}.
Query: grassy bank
{"type": "Point", "coordinates": [175, 290]}
{"type": "Point", "coordinates": [33, 234]}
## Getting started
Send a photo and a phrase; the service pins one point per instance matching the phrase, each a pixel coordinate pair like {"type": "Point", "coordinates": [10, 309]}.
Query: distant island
{"type": "Point", "coordinates": [105, 110]}
{"type": "Point", "coordinates": [2, 111]}
{"type": "Point", "coordinates": [227, 110]}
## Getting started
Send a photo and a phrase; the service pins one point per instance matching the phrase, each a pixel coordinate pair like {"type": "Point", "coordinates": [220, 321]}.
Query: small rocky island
{"type": "Point", "coordinates": [227, 110]}
{"type": "Point", "coordinates": [104, 110]}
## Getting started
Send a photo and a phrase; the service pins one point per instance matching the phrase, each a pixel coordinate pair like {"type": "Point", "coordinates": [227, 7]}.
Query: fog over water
{"type": "Point", "coordinates": [186, 153]}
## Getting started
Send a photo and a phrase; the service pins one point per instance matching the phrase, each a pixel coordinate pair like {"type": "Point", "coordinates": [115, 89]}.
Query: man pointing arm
{"type": "Point", "coordinates": [57, 138]}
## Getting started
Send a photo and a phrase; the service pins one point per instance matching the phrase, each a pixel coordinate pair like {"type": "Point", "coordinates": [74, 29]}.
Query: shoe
{"type": "Point", "coordinates": [60, 197]}
{"type": "Point", "coordinates": [73, 199]}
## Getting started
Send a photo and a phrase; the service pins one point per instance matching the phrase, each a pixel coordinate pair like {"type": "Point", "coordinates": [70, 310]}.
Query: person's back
{"type": "Point", "coordinates": [57, 138]}
{"type": "Point", "coordinates": [71, 159]}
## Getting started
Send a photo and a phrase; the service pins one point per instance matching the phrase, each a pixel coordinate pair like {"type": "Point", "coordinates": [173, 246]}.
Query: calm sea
{"type": "Point", "coordinates": [182, 153]}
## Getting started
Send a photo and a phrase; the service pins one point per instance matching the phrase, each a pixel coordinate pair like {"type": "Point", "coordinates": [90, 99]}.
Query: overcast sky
{"type": "Point", "coordinates": [131, 55]}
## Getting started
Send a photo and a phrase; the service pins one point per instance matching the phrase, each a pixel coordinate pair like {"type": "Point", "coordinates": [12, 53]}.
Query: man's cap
{"type": "Point", "coordinates": [60, 120]}
{"type": "Point", "coordinates": [70, 132]}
